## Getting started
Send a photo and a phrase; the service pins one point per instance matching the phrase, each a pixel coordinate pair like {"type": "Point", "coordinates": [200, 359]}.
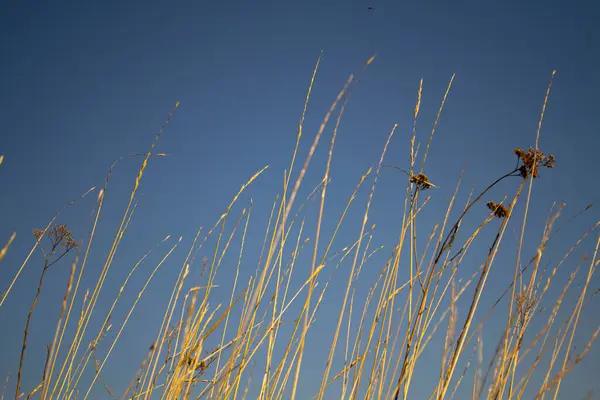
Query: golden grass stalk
{"type": "Point", "coordinates": [5, 248]}
{"type": "Point", "coordinates": [81, 330]}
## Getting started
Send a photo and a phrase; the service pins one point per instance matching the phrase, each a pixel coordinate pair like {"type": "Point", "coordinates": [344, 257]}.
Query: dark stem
{"type": "Point", "coordinates": [26, 334]}
{"type": "Point", "coordinates": [48, 262]}
{"type": "Point", "coordinates": [449, 239]}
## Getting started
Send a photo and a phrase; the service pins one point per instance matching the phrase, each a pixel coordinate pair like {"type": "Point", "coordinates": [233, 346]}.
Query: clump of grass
{"type": "Point", "coordinates": [256, 341]}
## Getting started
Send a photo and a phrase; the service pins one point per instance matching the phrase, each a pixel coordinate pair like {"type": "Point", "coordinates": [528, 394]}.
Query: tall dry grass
{"type": "Point", "coordinates": [238, 348]}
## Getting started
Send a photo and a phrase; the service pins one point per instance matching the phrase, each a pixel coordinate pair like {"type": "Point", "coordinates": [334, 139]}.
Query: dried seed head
{"type": "Point", "coordinates": [498, 209]}
{"type": "Point", "coordinates": [60, 236]}
{"type": "Point", "coordinates": [532, 160]}
{"type": "Point", "coordinates": [422, 181]}
{"type": "Point", "coordinates": [38, 233]}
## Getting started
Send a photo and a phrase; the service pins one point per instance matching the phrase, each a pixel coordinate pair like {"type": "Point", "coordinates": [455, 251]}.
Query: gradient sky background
{"type": "Point", "coordinates": [82, 83]}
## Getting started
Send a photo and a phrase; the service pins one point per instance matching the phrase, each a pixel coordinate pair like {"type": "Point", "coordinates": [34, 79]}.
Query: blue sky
{"type": "Point", "coordinates": [83, 83]}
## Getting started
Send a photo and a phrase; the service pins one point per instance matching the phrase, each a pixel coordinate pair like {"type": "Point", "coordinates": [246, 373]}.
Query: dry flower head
{"type": "Point", "coordinates": [499, 210]}
{"type": "Point", "coordinates": [422, 181]}
{"type": "Point", "coordinates": [532, 160]}
{"type": "Point", "coordinates": [59, 236]}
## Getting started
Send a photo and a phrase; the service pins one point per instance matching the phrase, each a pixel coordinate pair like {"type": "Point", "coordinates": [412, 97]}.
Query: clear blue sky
{"type": "Point", "coordinates": [82, 83]}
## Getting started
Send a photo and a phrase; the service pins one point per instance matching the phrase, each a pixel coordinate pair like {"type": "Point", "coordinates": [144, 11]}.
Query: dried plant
{"type": "Point", "coordinates": [532, 161]}
{"type": "Point", "coordinates": [203, 350]}
{"type": "Point", "coordinates": [421, 181]}
{"type": "Point", "coordinates": [499, 210]}
{"type": "Point", "coordinates": [61, 243]}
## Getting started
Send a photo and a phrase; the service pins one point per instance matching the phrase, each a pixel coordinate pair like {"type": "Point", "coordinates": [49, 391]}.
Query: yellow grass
{"type": "Point", "coordinates": [376, 342]}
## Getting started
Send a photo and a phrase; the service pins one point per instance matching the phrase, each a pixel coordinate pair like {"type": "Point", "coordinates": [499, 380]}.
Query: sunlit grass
{"type": "Point", "coordinates": [238, 349]}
